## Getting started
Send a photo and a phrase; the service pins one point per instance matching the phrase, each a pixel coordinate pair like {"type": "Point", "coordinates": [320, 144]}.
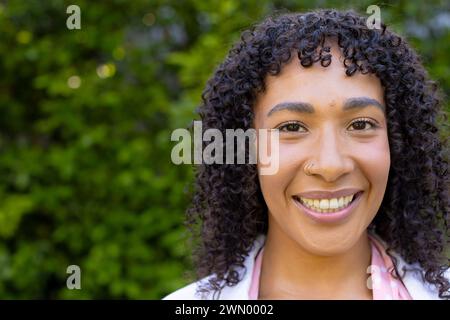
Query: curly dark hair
{"type": "Point", "coordinates": [228, 210]}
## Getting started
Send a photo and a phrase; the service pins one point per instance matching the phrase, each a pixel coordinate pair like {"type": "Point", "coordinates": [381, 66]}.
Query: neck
{"type": "Point", "coordinates": [290, 272]}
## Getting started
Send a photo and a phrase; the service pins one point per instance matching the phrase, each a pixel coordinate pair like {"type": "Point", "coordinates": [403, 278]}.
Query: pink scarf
{"type": "Point", "coordinates": [384, 285]}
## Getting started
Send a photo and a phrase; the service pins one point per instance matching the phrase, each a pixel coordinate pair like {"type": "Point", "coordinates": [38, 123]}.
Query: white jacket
{"type": "Point", "coordinates": [417, 288]}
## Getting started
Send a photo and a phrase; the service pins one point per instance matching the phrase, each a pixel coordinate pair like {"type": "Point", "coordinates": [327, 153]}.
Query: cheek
{"type": "Point", "coordinates": [274, 186]}
{"type": "Point", "coordinates": [376, 157]}
{"type": "Point", "coordinates": [374, 161]}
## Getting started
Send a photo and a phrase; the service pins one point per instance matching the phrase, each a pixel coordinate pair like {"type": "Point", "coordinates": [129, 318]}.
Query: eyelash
{"type": "Point", "coordinates": [284, 125]}
{"type": "Point", "coordinates": [365, 120]}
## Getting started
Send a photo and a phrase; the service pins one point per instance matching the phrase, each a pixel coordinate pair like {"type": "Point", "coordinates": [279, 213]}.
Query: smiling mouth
{"type": "Point", "coordinates": [323, 206]}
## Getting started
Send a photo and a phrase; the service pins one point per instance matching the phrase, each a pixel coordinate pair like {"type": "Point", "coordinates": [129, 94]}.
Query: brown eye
{"type": "Point", "coordinates": [362, 125]}
{"type": "Point", "coordinates": [290, 127]}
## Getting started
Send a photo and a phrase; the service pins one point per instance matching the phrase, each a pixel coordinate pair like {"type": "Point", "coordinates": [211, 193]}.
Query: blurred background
{"type": "Point", "coordinates": [85, 123]}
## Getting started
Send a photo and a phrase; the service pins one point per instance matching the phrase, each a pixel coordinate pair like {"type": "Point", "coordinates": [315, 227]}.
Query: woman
{"type": "Point", "coordinates": [358, 208]}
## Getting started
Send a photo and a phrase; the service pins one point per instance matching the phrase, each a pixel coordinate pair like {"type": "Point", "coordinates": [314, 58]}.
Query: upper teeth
{"type": "Point", "coordinates": [325, 204]}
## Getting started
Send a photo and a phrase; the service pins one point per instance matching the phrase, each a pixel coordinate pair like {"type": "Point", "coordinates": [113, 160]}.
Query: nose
{"type": "Point", "coordinates": [331, 156]}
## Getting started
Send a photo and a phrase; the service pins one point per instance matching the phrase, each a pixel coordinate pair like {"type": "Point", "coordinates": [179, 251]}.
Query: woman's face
{"type": "Point", "coordinates": [338, 124]}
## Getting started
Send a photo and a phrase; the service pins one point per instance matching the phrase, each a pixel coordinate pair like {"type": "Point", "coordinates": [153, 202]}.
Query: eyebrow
{"type": "Point", "coordinates": [349, 104]}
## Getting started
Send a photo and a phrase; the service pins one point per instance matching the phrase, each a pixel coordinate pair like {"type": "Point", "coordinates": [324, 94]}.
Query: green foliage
{"type": "Point", "coordinates": [86, 118]}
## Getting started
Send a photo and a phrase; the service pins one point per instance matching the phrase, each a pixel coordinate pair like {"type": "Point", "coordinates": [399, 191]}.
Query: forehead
{"type": "Point", "coordinates": [317, 85]}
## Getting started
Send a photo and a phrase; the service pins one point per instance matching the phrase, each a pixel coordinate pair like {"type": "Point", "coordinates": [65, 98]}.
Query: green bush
{"type": "Point", "coordinates": [86, 118]}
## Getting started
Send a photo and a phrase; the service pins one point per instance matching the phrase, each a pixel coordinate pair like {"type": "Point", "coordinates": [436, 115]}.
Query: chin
{"type": "Point", "coordinates": [328, 244]}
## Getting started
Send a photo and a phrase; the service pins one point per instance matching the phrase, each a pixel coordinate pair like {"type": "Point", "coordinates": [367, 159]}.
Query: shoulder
{"type": "Point", "coordinates": [417, 286]}
{"type": "Point", "coordinates": [189, 292]}
{"type": "Point", "coordinates": [412, 277]}
{"type": "Point", "coordinates": [192, 292]}
{"type": "Point", "coordinates": [236, 292]}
